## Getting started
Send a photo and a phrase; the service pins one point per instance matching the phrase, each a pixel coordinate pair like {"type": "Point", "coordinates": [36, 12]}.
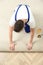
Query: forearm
{"type": "Point", "coordinates": [10, 37]}
{"type": "Point", "coordinates": [31, 35]}
{"type": "Point", "coordinates": [10, 34]}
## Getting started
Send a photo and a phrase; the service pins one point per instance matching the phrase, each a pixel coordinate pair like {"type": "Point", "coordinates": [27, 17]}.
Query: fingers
{"type": "Point", "coordinates": [29, 46]}
{"type": "Point", "coordinates": [12, 46]}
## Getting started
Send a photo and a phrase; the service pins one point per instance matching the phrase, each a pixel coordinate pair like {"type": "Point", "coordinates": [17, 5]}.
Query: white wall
{"type": "Point", "coordinates": [6, 9]}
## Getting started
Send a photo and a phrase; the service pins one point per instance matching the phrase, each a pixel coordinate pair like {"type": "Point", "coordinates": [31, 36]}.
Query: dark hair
{"type": "Point", "coordinates": [18, 26]}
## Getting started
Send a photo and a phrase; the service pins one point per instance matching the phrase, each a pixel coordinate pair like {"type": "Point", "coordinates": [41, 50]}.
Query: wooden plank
{"type": "Point", "coordinates": [22, 59]}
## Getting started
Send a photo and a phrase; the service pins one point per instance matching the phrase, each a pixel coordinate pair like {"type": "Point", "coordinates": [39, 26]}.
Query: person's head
{"type": "Point", "coordinates": [18, 26]}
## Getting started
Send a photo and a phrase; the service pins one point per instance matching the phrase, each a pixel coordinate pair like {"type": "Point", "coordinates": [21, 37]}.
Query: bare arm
{"type": "Point", "coordinates": [32, 35]}
{"type": "Point", "coordinates": [10, 34]}
{"type": "Point", "coordinates": [12, 46]}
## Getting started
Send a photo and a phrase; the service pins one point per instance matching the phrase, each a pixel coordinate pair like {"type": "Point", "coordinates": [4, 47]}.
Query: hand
{"type": "Point", "coordinates": [29, 46]}
{"type": "Point", "coordinates": [12, 46]}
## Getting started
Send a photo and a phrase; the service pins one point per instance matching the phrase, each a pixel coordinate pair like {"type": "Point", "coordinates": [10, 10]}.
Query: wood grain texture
{"type": "Point", "coordinates": [22, 59]}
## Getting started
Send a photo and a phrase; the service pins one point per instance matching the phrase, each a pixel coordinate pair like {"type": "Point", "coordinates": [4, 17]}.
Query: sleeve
{"type": "Point", "coordinates": [12, 20]}
{"type": "Point", "coordinates": [31, 20]}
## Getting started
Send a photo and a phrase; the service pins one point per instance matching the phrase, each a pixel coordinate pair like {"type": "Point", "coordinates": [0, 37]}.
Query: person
{"type": "Point", "coordinates": [22, 18]}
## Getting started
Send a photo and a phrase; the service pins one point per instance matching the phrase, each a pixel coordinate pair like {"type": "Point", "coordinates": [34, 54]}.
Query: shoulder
{"type": "Point", "coordinates": [17, 7]}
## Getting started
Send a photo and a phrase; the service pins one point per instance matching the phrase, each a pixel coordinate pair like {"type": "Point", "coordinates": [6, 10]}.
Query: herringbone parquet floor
{"type": "Point", "coordinates": [22, 59]}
